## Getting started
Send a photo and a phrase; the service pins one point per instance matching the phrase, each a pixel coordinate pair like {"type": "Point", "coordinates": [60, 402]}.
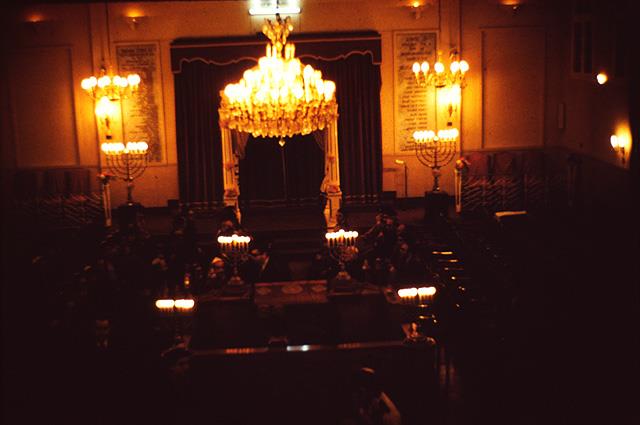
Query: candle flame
{"type": "Point", "coordinates": [162, 304]}
{"type": "Point", "coordinates": [185, 304]}
{"type": "Point", "coordinates": [426, 291]}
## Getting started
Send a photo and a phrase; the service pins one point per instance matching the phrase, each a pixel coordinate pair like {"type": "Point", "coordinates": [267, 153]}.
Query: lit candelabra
{"type": "Point", "coordinates": [438, 76]}
{"type": "Point", "coordinates": [179, 311]}
{"type": "Point", "coordinates": [127, 162]}
{"type": "Point", "coordinates": [234, 247]}
{"type": "Point", "coordinates": [422, 298]}
{"type": "Point", "coordinates": [342, 248]}
{"type": "Point", "coordinates": [436, 150]}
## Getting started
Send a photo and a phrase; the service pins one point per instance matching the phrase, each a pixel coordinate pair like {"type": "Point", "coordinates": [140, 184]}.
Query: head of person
{"type": "Point", "coordinates": [259, 254]}
{"type": "Point", "coordinates": [227, 227]}
{"type": "Point", "coordinates": [216, 267]}
{"type": "Point", "coordinates": [367, 384]}
{"type": "Point", "coordinates": [229, 213]}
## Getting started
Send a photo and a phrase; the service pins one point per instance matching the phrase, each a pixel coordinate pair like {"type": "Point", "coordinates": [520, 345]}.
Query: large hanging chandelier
{"type": "Point", "coordinates": [438, 75]}
{"type": "Point", "coordinates": [279, 97]}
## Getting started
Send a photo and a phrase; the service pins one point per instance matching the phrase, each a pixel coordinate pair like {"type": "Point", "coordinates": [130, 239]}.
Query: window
{"type": "Point", "coordinates": [582, 34]}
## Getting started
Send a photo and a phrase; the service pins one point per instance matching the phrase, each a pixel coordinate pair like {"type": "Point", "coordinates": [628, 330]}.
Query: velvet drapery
{"type": "Point", "coordinates": [198, 82]}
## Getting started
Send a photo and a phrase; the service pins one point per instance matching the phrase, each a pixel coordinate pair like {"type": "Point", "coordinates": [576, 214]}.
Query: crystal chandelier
{"type": "Point", "coordinates": [438, 76]}
{"type": "Point", "coordinates": [279, 97]}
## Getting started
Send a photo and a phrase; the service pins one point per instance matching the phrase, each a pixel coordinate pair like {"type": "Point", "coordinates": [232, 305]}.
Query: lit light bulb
{"type": "Point", "coordinates": [615, 143]}
{"type": "Point", "coordinates": [464, 66]}
{"type": "Point", "coordinates": [602, 78]}
{"type": "Point", "coordinates": [105, 108]}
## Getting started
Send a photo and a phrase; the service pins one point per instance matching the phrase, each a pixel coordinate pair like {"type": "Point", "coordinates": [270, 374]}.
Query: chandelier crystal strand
{"type": "Point", "coordinates": [279, 97]}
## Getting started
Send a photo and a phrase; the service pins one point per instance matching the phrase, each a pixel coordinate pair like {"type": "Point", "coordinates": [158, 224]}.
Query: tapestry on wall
{"type": "Point", "coordinates": [144, 120]}
{"type": "Point", "coordinates": [414, 105]}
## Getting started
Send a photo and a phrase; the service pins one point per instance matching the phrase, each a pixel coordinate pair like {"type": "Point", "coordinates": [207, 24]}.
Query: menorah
{"type": "Point", "coordinates": [421, 329]}
{"type": "Point", "coordinates": [436, 150]}
{"type": "Point", "coordinates": [235, 247]}
{"type": "Point", "coordinates": [342, 248]}
{"type": "Point", "coordinates": [127, 162]}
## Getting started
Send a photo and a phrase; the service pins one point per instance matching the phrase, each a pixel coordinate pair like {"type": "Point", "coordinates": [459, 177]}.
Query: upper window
{"type": "Point", "coordinates": [582, 37]}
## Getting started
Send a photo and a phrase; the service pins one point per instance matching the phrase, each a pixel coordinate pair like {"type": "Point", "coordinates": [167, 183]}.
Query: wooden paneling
{"type": "Point", "coordinates": [40, 85]}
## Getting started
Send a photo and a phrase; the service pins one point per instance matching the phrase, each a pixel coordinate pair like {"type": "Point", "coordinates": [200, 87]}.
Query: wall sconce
{"type": "Point", "coordinates": [619, 144]}
{"type": "Point", "coordinates": [449, 98]}
{"type": "Point", "coordinates": [106, 111]}
{"type": "Point", "coordinates": [134, 21]}
{"type": "Point", "coordinates": [514, 5]}
{"type": "Point", "coordinates": [602, 78]}
{"type": "Point", "coordinates": [38, 23]}
{"type": "Point", "coordinates": [416, 6]}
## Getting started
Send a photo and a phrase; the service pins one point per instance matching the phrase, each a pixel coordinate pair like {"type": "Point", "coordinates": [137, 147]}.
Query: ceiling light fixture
{"type": "Point", "coordinates": [273, 7]}
{"type": "Point", "coordinates": [279, 97]}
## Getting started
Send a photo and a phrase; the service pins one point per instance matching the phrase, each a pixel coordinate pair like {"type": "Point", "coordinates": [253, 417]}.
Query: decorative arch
{"type": "Point", "coordinates": [356, 131]}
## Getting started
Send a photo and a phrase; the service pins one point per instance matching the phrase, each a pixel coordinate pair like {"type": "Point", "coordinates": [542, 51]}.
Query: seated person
{"type": "Point", "coordinates": [323, 266]}
{"type": "Point", "coordinates": [341, 220]}
{"type": "Point", "coordinates": [379, 241]}
{"type": "Point", "coordinates": [372, 405]}
{"type": "Point", "coordinates": [378, 270]}
{"type": "Point", "coordinates": [264, 266]}
{"type": "Point", "coordinates": [229, 223]}
{"type": "Point", "coordinates": [408, 266]}
{"type": "Point", "coordinates": [404, 235]}
{"type": "Point", "coordinates": [217, 276]}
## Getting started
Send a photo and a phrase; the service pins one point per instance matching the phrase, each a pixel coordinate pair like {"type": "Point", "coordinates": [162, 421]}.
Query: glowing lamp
{"type": "Point", "coordinates": [602, 78]}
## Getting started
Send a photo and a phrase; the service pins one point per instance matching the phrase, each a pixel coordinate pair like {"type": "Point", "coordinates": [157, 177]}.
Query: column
{"type": "Point", "coordinates": [231, 188]}
{"type": "Point", "coordinates": [332, 161]}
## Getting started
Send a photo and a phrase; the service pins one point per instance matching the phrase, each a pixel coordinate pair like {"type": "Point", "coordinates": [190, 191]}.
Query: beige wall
{"type": "Point", "coordinates": [519, 75]}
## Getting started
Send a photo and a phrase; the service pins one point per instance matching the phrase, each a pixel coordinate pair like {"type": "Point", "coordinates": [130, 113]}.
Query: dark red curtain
{"type": "Point", "coordinates": [197, 86]}
{"type": "Point", "coordinates": [197, 89]}
{"type": "Point", "coordinates": [291, 174]}
{"type": "Point", "coordinates": [358, 86]}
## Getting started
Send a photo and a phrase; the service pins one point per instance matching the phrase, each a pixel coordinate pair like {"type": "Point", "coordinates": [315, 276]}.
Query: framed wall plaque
{"type": "Point", "coordinates": [414, 105]}
{"type": "Point", "coordinates": [143, 112]}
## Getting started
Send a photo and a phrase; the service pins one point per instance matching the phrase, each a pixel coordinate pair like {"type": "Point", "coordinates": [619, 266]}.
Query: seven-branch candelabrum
{"type": "Point", "coordinates": [436, 150]}
{"type": "Point", "coordinates": [127, 162]}
{"type": "Point", "coordinates": [234, 247]}
{"type": "Point", "coordinates": [342, 248]}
